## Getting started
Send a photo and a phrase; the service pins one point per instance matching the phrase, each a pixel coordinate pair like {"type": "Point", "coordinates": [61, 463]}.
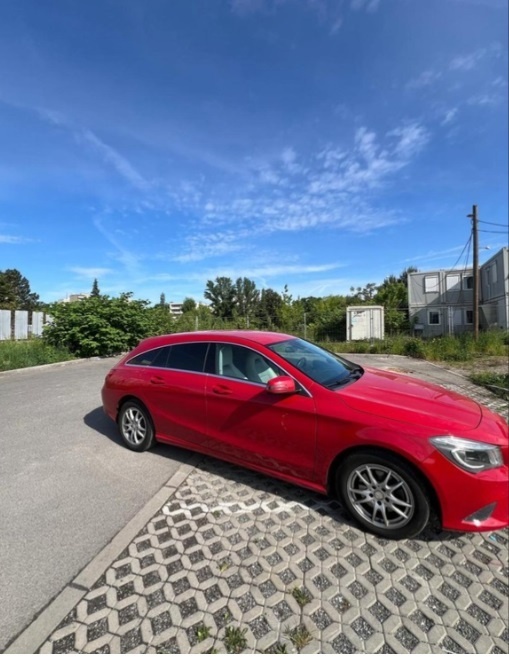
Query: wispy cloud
{"type": "Point", "coordinates": [462, 63]}
{"type": "Point", "coordinates": [436, 255]}
{"type": "Point", "coordinates": [129, 260]}
{"type": "Point", "coordinates": [331, 188]}
{"type": "Point", "coordinates": [107, 153]}
{"type": "Point", "coordinates": [90, 273]}
{"type": "Point", "coordinates": [330, 13]}
{"type": "Point", "coordinates": [449, 116]}
{"type": "Point", "coordinates": [470, 61]}
{"type": "Point", "coordinates": [486, 99]}
{"type": "Point", "coordinates": [13, 240]}
{"type": "Point", "coordinates": [426, 78]}
{"type": "Point", "coordinates": [367, 5]}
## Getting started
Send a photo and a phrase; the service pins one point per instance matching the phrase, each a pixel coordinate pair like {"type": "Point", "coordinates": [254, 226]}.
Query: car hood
{"type": "Point", "coordinates": [402, 398]}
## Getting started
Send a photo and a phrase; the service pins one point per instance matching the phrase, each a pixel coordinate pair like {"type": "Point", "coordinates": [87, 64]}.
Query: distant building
{"type": "Point", "coordinates": [72, 298]}
{"type": "Point", "coordinates": [175, 309]}
{"type": "Point", "coordinates": [441, 302]}
{"type": "Point", "coordinates": [494, 288]}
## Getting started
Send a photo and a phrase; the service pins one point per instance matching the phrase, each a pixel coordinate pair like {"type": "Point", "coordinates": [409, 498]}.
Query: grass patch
{"type": "Point", "coordinates": [202, 632]}
{"type": "Point", "coordinates": [235, 640]}
{"type": "Point", "coordinates": [448, 348]}
{"type": "Point", "coordinates": [493, 381]}
{"type": "Point", "coordinates": [299, 636]}
{"type": "Point", "coordinates": [277, 648]}
{"type": "Point", "coordinates": [16, 354]}
{"type": "Point", "coordinates": [301, 596]}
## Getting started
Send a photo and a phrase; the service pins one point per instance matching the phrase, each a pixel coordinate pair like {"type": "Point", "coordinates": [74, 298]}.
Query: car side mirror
{"type": "Point", "coordinates": [281, 385]}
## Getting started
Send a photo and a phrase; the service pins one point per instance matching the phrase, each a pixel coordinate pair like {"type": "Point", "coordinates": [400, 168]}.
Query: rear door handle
{"type": "Point", "coordinates": [157, 380]}
{"type": "Point", "coordinates": [222, 390]}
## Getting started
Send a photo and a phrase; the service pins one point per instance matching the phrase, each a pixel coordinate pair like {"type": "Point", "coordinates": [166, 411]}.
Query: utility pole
{"type": "Point", "coordinates": [475, 268]}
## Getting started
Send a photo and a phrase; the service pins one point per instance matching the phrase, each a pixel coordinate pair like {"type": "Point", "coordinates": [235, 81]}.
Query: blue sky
{"type": "Point", "coordinates": [157, 144]}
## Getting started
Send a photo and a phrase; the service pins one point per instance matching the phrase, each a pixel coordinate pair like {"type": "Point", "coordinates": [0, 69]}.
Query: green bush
{"type": "Point", "coordinates": [415, 348]}
{"type": "Point", "coordinates": [101, 326]}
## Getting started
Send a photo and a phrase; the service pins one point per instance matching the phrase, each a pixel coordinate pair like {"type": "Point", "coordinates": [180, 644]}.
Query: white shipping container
{"type": "Point", "coordinates": [365, 322]}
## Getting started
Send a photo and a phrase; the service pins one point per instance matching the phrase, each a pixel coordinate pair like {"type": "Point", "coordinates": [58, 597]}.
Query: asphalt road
{"type": "Point", "coordinates": [67, 486]}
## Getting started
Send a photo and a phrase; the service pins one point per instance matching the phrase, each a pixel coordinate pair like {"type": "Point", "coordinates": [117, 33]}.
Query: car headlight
{"type": "Point", "coordinates": [469, 454]}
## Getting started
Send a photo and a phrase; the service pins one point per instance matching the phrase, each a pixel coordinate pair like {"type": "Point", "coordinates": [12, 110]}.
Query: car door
{"type": "Point", "coordinates": [173, 389]}
{"type": "Point", "coordinates": [248, 424]}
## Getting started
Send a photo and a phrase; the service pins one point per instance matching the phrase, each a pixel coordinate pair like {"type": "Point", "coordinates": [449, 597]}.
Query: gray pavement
{"type": "Point", "coordinates": [66, 484]}
{"type": "Point", "coordinates": [223, 559]}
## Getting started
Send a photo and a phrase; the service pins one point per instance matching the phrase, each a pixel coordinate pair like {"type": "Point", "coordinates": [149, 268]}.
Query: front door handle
{"type": "Point", "coordinates": [157, 380]}
{"type": "Point", "coordinates": [222, 390]}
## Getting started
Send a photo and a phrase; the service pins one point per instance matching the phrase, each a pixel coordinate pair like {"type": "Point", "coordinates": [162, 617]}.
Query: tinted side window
{"type": "Point", "coordinates": [155, 357]}
{"type": "Point", "coordinates": [188, 356]}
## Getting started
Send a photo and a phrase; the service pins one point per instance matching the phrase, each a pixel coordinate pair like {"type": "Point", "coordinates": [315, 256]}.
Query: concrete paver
{"type": "Point", "coordinates": [227, 560]}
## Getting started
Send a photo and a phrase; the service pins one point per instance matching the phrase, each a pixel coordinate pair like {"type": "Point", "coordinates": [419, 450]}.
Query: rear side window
{"type": "Point", "coordinates": [189, 357]}
{"type": "Point", "coordinates": [152, 357]}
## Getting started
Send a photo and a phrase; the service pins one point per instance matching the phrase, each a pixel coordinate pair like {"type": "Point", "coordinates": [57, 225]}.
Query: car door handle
{"type": "Point", "coordinates": [157, 380]}
{"type": "Point", "coordinates": [222, 390]}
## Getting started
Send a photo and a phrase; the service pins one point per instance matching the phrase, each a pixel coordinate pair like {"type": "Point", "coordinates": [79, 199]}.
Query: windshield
{"type": "Point", "coordinates": [317, 363]}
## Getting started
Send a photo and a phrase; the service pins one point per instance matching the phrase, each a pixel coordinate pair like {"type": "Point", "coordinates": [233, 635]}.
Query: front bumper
{"type": "Point", "coordinates": [469, 502]}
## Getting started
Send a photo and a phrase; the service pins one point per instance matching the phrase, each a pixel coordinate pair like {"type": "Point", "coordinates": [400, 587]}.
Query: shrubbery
{"type": "Point", "coordinates": [103, 326]}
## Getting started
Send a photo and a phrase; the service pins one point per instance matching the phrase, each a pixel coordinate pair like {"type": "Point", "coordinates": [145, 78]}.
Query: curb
{"type": "Point", "coordinates": [58, 364]}
{"type": "Point", "coordinates": [34, 635]}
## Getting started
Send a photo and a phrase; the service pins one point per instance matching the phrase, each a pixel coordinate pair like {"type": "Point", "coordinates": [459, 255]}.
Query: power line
{"type": "Point", "coordinates": [494, 224]}
{"type": "Point", "coordinates": [467, 244]}
{"type": "Point", "coordinates": [489, 231]}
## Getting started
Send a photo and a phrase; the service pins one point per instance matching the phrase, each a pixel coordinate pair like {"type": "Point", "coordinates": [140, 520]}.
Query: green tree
{"type": "Point", "coordinates": [99, 326]}
{"type": "Point", "coordinates": [247, 297]}
{"type": "Point", "coordinates": [188, 305]}
{"type": "Point", "coordinates": [15, 291]}
{"type": "Point", "coordinates": [269, 308]}
{"type": "Point", "coordinates": [95, 289]}
{"type": "Point", "coordinates": [222, 296]}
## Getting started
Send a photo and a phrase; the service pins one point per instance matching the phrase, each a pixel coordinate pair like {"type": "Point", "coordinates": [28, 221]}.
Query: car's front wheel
{"type": "Point", "coordinates": [135, 426]}
{"type": "Point", "coordinates": [384, 494]}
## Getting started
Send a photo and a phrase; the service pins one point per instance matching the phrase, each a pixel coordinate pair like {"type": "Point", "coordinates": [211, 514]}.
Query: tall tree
{"type": "Point", "coordinates": [95, 289]}
{"type": "Point", "coordinates": [269, 308]}
{"type": "Point", "coordinates": [247, 296]}
{"type": "Point", "coordinates": [15, 291]}
{"type": "Point", "coordinates": [188, 305]}
{"type": "Point", "coordinates": [222, 296]}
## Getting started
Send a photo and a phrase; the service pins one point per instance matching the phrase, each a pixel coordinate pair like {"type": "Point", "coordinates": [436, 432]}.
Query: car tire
{"type": "Point", "coordinates": [384, 494]}
{"type": "Point", "coordinates": [135, 426]}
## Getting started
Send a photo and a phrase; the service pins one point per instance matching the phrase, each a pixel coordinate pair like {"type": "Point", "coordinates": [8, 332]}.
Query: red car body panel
{"type": "Point", "coordinates": [299, 437]}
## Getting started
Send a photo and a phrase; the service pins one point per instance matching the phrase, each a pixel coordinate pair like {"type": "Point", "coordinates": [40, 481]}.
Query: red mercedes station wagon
{"type": "Point", "coordinates": [394, 449]}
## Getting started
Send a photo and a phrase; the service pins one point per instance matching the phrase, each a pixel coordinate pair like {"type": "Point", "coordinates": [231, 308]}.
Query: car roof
{"type": "Point", "coordinates": [261, 337]}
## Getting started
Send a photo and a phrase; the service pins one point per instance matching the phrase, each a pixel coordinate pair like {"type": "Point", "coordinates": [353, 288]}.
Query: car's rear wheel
{"type": "Point", "coordinates": [384, 494]}
{"type": "Point", "coordinates": [135, 426]}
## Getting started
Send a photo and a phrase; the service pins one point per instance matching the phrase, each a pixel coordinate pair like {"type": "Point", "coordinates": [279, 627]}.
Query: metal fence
{"type": "Point", "coordinates": [421, 321]}
{"type": "Point", "coordinates": [22, 324]}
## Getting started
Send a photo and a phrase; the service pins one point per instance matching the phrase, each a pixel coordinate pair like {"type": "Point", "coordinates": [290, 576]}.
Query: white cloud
{"type": "Point", "coordinates": [91, 273]}
{"type": "Point", "coordinates": [13, 240]}
{"type": "Point", "coordinates": [129, 260]}
{"type": "Point", "coordinates": [451, 252]}
{"type": "Point", "coordinates": [485, 99]}
{"type": "Point", "coordinates": [468, 62]}
{"type": "Point", "coordinates": [107, 153]}
{"type": "Point", "coordinates": [121, 165]}
{"type": "Point", "coordinates": [426, 78]}
{"type": "Point", "coordinates": [449, 116]}
{"type": "Point", "coordinates": [333, 190]}
{"type": "Point", "coordinates": [367, 5]}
